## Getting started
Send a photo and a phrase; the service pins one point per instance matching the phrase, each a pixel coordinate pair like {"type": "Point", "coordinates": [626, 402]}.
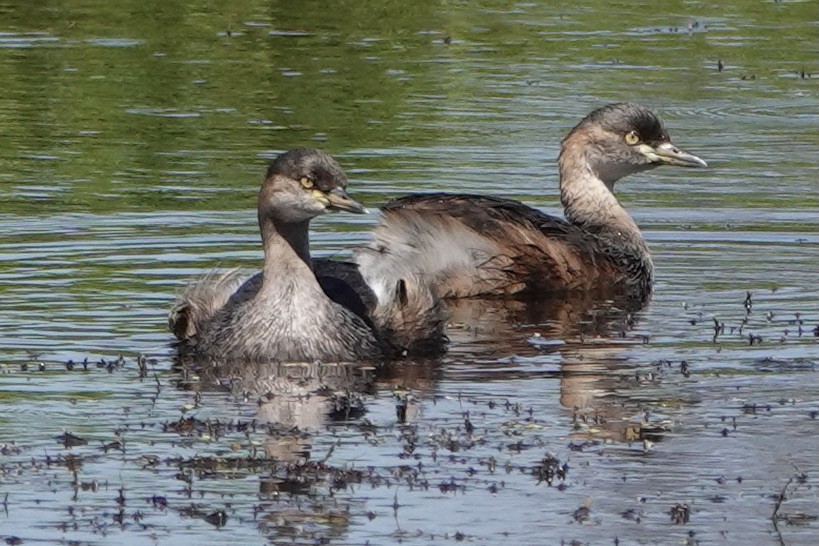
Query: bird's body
{"type": "Point", "coordinates": [493, 246]}
{"type": "Point", "coordinates": [470, 245]}
{"type": "Point", "coordinates": [408, 318]}
{"type": "Point", "coordinates": [306, 326]}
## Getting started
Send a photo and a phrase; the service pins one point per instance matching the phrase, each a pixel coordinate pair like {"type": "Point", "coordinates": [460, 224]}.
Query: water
{"type": "Point", "coordinates": [134, 139]}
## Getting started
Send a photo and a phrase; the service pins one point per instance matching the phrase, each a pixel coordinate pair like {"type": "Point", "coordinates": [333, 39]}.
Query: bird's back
{"type": "Point", "coordinates": [471, 245]}
{"type": "Point", "coordinates": [406, 314]}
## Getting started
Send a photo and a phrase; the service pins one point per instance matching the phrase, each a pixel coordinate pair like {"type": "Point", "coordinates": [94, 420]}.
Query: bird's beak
{"type": "Point", "coordinates": [337, 199]}
{"type": "Point", "coordinates": [666, 153]}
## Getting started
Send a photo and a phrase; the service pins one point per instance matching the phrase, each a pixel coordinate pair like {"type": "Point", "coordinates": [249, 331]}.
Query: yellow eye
{"type": "Point", "coordinates": [306, 183]}
{"type": "Point", "coordinates": [632, 138]}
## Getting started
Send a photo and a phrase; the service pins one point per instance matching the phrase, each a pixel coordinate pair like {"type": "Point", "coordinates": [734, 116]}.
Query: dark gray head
{"type": "Point", "coordinates": [303, 183]}
{"type": "Point", "coordinates": [624, 138]}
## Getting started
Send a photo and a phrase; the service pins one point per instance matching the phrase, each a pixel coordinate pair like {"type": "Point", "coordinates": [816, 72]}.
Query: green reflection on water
{"type": "Point", "coordinates": [177, 105]}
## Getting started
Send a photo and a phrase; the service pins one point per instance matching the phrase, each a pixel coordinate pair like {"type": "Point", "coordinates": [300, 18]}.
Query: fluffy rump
{"type": "Point", "coordinates": [201, 300]}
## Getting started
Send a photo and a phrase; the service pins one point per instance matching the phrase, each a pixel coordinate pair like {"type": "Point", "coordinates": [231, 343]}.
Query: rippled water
{"type": "Point", "coordinates": [134, 138]}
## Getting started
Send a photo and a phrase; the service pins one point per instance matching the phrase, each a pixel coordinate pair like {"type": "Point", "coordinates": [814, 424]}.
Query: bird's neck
{"type": "Point", "coordinates": [589, 202]}
{"type": "Point", "coordinates": [286, 253]}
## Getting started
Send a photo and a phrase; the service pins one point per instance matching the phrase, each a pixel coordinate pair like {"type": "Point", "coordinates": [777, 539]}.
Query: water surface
{"type": "Point", "coordinates": [134, 139]}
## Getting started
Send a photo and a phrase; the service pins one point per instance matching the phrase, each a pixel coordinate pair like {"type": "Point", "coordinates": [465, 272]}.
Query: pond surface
{"type": "Point", "coordinates": [134, 137]}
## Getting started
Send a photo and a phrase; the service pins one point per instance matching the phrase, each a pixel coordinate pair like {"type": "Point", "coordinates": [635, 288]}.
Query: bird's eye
{"type": "Point", "coordinates": [632, 138]}
{"type": "Point", "coordinates": [306, 183]}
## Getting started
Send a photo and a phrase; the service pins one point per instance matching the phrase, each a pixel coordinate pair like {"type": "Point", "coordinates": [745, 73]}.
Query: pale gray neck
{"type": "Point", "coordinates": [286, 252]}
{"type": "Point", "coordinates": [589, 201]}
